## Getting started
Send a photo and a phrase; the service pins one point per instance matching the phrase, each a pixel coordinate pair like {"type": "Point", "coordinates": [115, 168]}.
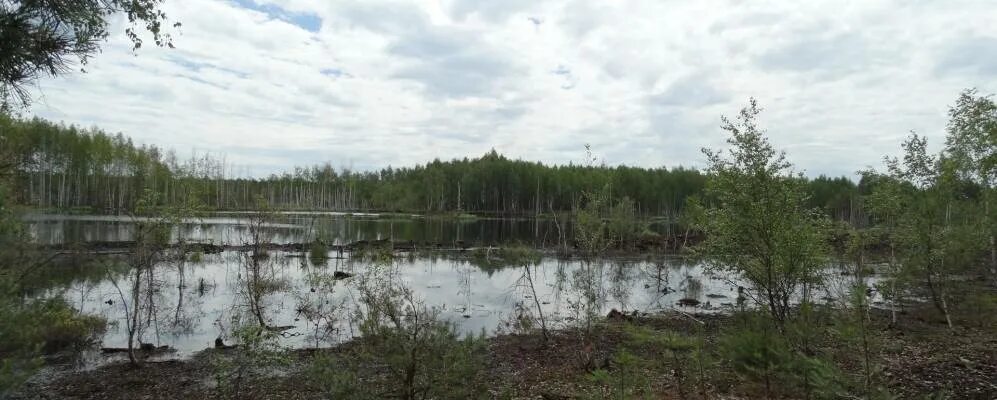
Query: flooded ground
{"type": "Point", "coordinates": [191, 302]}
{"type": "Point", "coordinates": [196, 305]}
{"type": "Point", "coordinates": [230, 228]}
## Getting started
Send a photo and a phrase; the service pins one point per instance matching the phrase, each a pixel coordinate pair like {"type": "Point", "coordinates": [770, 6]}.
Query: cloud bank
{"type": "Point", "coordinates": [366, 84]}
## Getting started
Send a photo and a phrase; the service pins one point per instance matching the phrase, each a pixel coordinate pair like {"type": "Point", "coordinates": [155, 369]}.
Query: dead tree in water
{"type": "Point", "coordinates": [258, 282]}
{"type": "Point", "coordinates": [152, 236]}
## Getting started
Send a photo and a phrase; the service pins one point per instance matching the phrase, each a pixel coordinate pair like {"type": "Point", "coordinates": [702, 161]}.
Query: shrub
{"type": "Point", "coordinates": [318, 253]}
{"type": "Point", "coordinates": [417, 355]}
{"type": "Point", "coordinates": [31, 327]}
{"type": "Point", "coordinates": [762, 355]}
{"type": "Point", "coordinates": [258, 348]}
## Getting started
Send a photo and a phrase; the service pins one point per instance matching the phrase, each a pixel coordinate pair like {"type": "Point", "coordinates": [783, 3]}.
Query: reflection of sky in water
{"type": "Point", "coordinates": [455, 287]}
{"type": "Point", "coordinates": [231, 228]}
{"type": "Point", "coordinates": [190, 320]}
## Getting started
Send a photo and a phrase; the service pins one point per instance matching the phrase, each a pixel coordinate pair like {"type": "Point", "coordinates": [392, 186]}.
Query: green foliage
{"type": "Point", "coordinates": [626, 380]}
{"type": "Point", "coordinates": [756, 220]}
{"type": "Point", "coordinates": [41, 38]}
{"type": "Point", "coordinates": [93, 163]}
{"type": "Point", "coordinates": [933, 217]}
{"type": "Point", "coordinates": [838, 197]}
{"type": "Point", "coordinates": [418, 355]}
{"type": "Point", "coordinates": [258, 350]}
{"type": "Point", "coordinates": [585, 303]}
{"type": "Point", "coordinates": [340, 377]}
{"type": "Point", "coordinates": [378, 253]}
{"type": "Point", "coordinates": [860, 344]}
{"type": "Point", "coordinates": [972, 137]}
{"type": "Point", "coordinates": [600, 223]}
{"type": "Point", "coordinates": [971, 147]}
{"type": "Point", "coordinates": [643, 353]}
{"type": "Point", "coordinates": [768, 358]}
{"type": "Point", "coordinates": [590, 226]}
{"type": "Point", "coordinates": [106, 172]}
{"type": "Point", "coordinates": [31, 326]}
{"type": "Point", "coordinates": [318, 252]}
{"type": "Point", "coordinates": [623, 225]}
{"type": "Point", "coordinates": [675, 349]}
{"type": "Point", "coordinates": [434, 363]}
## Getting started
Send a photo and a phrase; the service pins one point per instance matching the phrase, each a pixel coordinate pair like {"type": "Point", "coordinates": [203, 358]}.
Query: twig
{"type": "Point", "coordinates": [688, 315]}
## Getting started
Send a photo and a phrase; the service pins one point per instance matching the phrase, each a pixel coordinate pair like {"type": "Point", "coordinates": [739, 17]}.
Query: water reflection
{"type": "Point", "coordinates": [196, 301]}
{"type": "Point", "coordinates": [338, 228]}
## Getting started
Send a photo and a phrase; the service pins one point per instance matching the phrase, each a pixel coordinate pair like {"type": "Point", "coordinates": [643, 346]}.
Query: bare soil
{"type": "Point", "coordinates": [918, 358]}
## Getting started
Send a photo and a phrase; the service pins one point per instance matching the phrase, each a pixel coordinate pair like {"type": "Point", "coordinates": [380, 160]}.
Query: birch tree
{"type": "Point", "coordinates": [756, 221]}
{"type": "Point", "coordinates": [971, 144]}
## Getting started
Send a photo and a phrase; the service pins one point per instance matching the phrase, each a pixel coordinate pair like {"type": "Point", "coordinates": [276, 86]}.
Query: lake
{"type": "Point", "coordinates": [194, 301]}
{"type": "Point", "coordinates": [231, 228]}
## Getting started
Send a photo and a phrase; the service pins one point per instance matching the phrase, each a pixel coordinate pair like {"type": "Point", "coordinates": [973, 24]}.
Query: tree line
{"type": "Point", "coordinates": [63, 167]}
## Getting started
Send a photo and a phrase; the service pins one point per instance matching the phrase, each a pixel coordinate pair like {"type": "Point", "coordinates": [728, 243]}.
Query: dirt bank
{"type": "Point", "coordinates": [918, 357]}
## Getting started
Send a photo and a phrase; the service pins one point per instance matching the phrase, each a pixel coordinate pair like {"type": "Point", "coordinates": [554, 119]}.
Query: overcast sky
{"type": "Point", "coordinates": [366, 84]}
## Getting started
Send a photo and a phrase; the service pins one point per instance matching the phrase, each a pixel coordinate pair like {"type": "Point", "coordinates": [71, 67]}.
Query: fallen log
{"type": "Point", "coordinates": [144, 348]}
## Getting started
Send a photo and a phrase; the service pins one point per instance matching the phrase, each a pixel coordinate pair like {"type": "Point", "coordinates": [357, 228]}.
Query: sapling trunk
{"type": "Point", "coordinates": [993, 241]}
{"type": "Point", "coordinates": [540, 312]}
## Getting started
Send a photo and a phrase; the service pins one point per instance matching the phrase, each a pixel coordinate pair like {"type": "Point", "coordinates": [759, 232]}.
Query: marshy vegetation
{"type": "Point", "coordinates": [128, 272]}
{"type": "Point", "coordinates": [754, 291]}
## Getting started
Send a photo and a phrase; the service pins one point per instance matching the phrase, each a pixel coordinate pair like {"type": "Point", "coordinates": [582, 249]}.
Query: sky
{"type": "Point", "coordinates": [271, 84]}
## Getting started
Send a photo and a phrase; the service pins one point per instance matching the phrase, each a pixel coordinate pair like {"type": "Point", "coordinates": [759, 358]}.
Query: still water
{"type": "Point", "coordinates": [191, 302]}
{"type": "Point", "coordinates": [196, 302]}
{"type": "Point", "coordinates": [231, 228]}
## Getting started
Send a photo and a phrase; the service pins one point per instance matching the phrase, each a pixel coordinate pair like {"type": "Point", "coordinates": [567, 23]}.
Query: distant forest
{"type": "Point", "coordinates": [62, 167]}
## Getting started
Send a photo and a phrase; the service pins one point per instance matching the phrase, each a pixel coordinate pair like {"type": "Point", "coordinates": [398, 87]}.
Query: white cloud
{"type": "Point", "coordinates": [365, 84]}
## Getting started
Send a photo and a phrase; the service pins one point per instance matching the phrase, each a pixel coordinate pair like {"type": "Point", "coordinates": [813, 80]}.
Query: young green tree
{"type": "Point", "coordinates": [885, 204]}
{"type": "Point", "coordinates": [938, 231]}
{"type": "Point", "coordinates": [153, 229]}
{"type": "Point", "coordinates": [31, 325]}
{"type": "Point", "coordinates": [854, 320]}
{"type": "Point", "coordinates": [971, 144]}
{"type": "Point", "coordinates": [417, 354]}
{"type": "Point", "coordinates": [257, 349]}
{"type": "Point", "coordinates": [590, 227]}
{"type": "Point", "coordinates": [756, 222]}
{"type": "Point", "coordinates": [622, 225]}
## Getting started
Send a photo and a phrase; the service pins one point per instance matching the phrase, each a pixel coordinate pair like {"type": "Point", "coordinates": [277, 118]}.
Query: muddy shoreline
{"type": "Point", "coordinates": [922, 358]}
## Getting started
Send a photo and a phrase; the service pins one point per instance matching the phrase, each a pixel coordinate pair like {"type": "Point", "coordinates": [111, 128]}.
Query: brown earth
{"type": "Point", "coordinates": [919, 357]}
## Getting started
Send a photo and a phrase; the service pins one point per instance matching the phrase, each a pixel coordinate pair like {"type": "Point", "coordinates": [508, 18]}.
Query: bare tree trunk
{"type": "Point", "coordinates": [893, 286]}
{"type": "Point", "coordinates": [540, 312]}
{"type": "Point", "coordinates": [137, 287]}
{"type": "Point", "coordinates": [941, 290]}
{"type": "Point", "coordinates": [561, 242]}
{"type": "Point", "coordinates": [945, 310]}
{"type": "Point", "coordinates": [938, 298]}
{"type": "Point", "coordinates": [993, 242]}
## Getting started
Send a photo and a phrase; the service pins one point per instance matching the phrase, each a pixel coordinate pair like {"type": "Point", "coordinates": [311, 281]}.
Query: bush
{"type": "Point", "coordinates": [760, 354]}
{"type": "Point", "coordinates": [408, 363]}
{"type": "Point", "coordinates": [405, 351]}
{"type": "Point", "coordinates": [626, 380]}
{"type": "Point", "coordinates": [318, 252]}
{"type": "Point", "coordinates": [258, 348]}
{"type": "Point", "coordinates": [31, 327]}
